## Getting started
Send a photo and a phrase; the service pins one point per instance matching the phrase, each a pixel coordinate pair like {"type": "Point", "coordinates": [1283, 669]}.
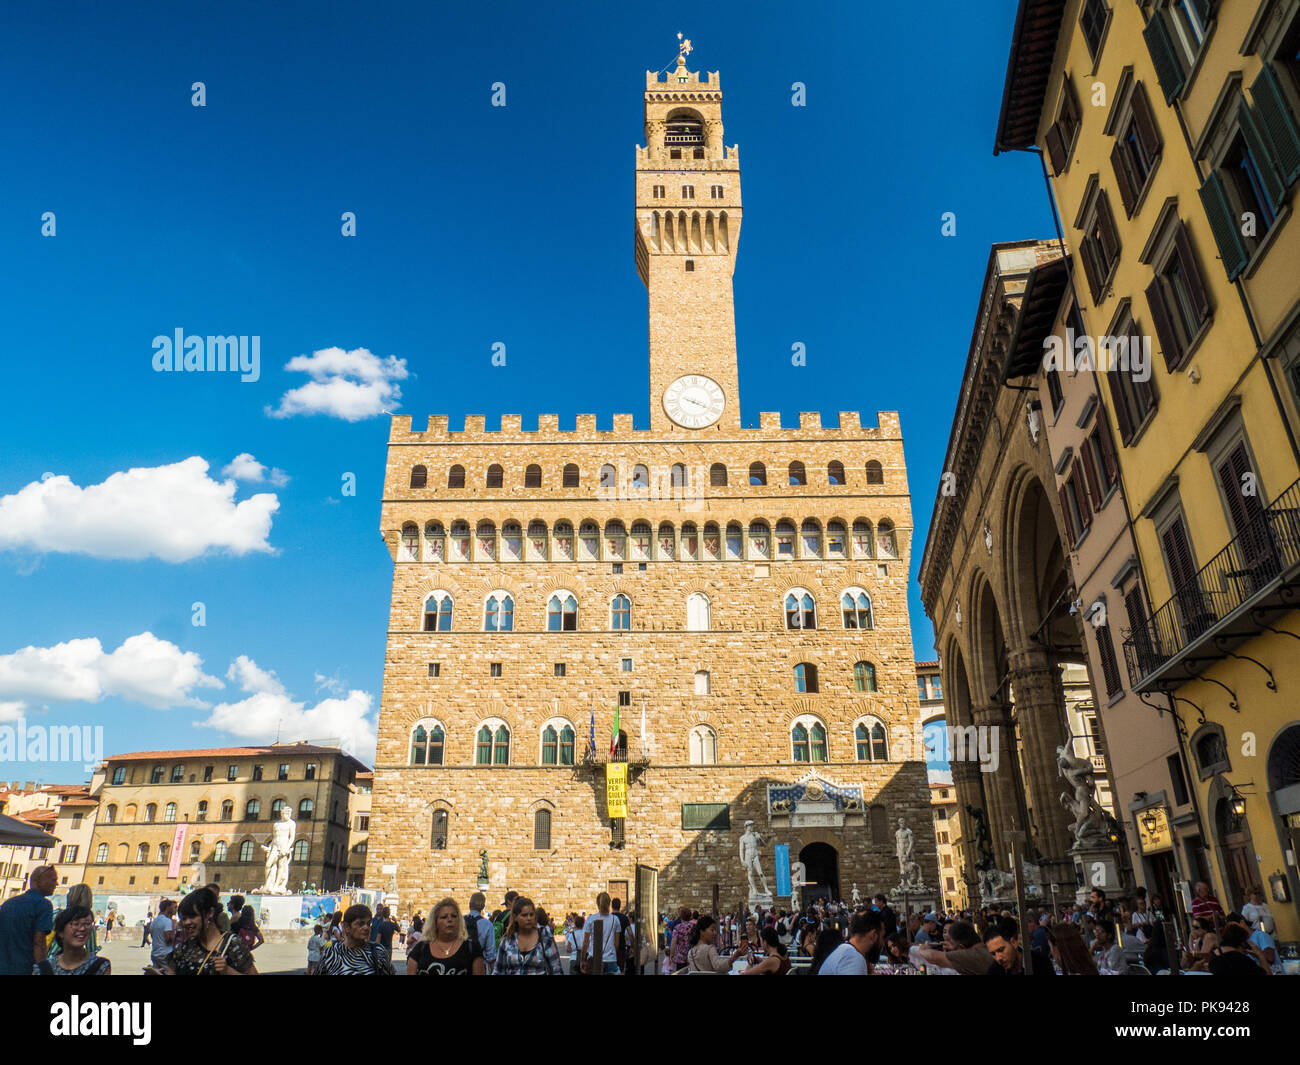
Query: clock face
{"type": "Point", "coordinates": [694, 402]}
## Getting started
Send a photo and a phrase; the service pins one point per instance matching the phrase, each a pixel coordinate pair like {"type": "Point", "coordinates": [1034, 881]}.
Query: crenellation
{"type": "Point", "coordinates": [810, 419]}
{"type": "Point", "coordinates": [511, 424]}
{"type": "Point", "coordinates": [475, 424]}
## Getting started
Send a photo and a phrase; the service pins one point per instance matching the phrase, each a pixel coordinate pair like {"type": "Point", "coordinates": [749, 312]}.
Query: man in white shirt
{"type": "Point", "coordinates": [866, 930]}
{"type": "Point", "coordinates": [1257, 913]}
{"type": "Point", "coordinates": [162, 933]}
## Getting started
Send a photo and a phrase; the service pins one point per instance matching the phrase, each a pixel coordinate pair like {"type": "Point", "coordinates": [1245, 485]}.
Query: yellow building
{"type": "Point", "coordinates": [1170, 130]}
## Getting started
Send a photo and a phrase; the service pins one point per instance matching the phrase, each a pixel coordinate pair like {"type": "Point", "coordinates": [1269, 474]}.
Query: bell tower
{"type": "Point", "coordinates": [687, 229]}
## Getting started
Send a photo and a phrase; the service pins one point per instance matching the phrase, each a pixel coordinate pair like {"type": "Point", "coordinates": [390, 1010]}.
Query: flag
{"type": "Point", "coordinates": [593, 732]}
{"type": "Point", "coordinates": [613, 740]}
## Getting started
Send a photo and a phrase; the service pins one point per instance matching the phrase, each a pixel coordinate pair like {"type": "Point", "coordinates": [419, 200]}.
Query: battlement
{"type": "Point", "coordinates": [659, 80]}
{"type": "Point", "coordinates": [730, 160]}
{"type": "Point", "coordinates": [770, 428]}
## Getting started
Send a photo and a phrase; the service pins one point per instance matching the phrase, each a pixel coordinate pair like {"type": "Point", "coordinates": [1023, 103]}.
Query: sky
{"type": "Point", "coordinates": [181, 562]}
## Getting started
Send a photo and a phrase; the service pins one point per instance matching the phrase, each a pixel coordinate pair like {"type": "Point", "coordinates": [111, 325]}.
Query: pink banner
{"type": "Point", "coordinates": [178, 847]}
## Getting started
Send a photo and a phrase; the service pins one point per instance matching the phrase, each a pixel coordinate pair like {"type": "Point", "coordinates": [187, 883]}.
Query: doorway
{"type": "Point", "coordinates": [618, 890]}
{"type": "Point", "coordinates": [822, 862]}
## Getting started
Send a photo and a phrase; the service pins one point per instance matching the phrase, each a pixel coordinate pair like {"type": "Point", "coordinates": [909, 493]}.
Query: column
{"type": "Point", "coordinates": [999, 787]}
{"type": "Point", "coordinates": [1040, 710]}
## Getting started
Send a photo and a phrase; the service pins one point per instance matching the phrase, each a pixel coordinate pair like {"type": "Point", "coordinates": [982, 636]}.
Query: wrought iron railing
{"type": "Point", "coordinates": [1266, 548]}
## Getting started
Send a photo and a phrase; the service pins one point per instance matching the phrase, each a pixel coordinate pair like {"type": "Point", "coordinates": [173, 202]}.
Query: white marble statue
{"type": "Point", "coordinates": [1089, 823]}
{"type": "Point", "coordinates": [798, 875]}
{"type": "Point", "coordinates": [905, 844]}
{"type": "Point", "coordinates": [279, 853]}
{"type": "Point", "coordinates": [857, 897]}
{"type": "Point", "coordinates": [749, 844]}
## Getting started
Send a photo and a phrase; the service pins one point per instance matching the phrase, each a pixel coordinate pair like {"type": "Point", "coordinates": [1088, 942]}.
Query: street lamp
{"type": "Point", "coordinates": [1150, 821]}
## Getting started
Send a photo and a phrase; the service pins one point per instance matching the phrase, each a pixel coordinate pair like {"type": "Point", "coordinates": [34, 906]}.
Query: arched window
{"type": "Point", "coordinates": [570, 476]}
{"type": "Point", "coordinates": [427, 743]}
{"type": "Point", "coordinates": [131, 812]}
{"type": "Point", "coordinates": [639, 542]}
{"type": "Point", "coordinates": [805, 678]}
{"type": "Point", "coordinates": [704, 746]}
{"type": "Point", "coordinates": [608, 477]}
{"type": "Point", "coordinates": [702, 682]}
{"type": "Point", "coordinates": [760, 540]}
{"type": "Point", "coordinates": [550, 746]}
{"type": "Point", "coordinates": [615, 541]}
{"type": "Point", "coordinates": [885, 542]}
{"type": "Point", "coordinates": [855, 607]}
{"type": "Point", "coordinates": [276, 806]}
{"type": "Point", "coordinates": [246, 851]}
{"type": "Point", "coordinates": [864, 677]}
{"type": "Point", "coordinates": [112, 814]}
{"type": "Point", "coordinates": [495, 476]}
{"type": "Point", "coordinates": [862, 541]}
{"type": "Point", "coordinates": [835, 473]}
{"type": "Point", "coordinates": [835, 540]}
{"type": "Point", "coordinates": [101, 854]}
{"type": "Point", "coordinates": [219, 851]}
{"type": "Point", "coordinates": [800, 611]}
{"type": "Point", "coordinates": [306, 808]}
{"type": "Point", "coordinates": [542, 830]}
{"type": "Point", "coordinates": [697, 612]}
{"type": "Point", "coordinates": [535, 546]}
{"type": "Point", "coordinates": [512, 542]}
{"type": "Point", "coordinates": [252, 809]}
{"type": "Point", "coordinates": [437, 612]}
{"type": "Point", "coordinates": [456, 477]}
{"type": "Point", "coordinates": [620, 613]}
{"type": "Point", "coordinates": [1211, 751]}
{"type": "Point", "coordinates": [666, 542]}
{"type": "Point", "coordinates": [493, 745]}
{"type": "Point", "coordinates": [563, 541]}
{"type": "Point", "coordinates": [151, 812]}
{"type": "Point", "coordinates": [718, 475]}
{"type": "Point", "coordinates": [499, 614]}
{"type": "Point", "coordinates": [163, 851]}
{"type": "Point", "coordinates": [533, 476]}
{"type": "Point", "coordinates": [677, 475]}
{"type": "Point", "coordinates": [798, 475]}
{"type": "Point", "coordinates": [419, 477]}
{"type": "Point", "coordinates": [757, 473]}
{"type": "Point", "coordinates": [438, 836]}
{"type": "Point", "coordinates": [485, 542]}
{"type": "Point", "coordinates": [735, 542]}
{"type": "Point", "coordinates": [410, 542]}
{"type": "Point", "coordinates": [567, 745]}
{"type": "Point", "coordinates": [460, 541]}
{"type": "Point", "coordinates": [169, 813]}
{"type": "Point", "coordinates": [196, 850]}
{"type": "Point", "coordinates": [875, 473]}
{"type": "Point", "coordinates": [302, 850]}
{"type": "Point", "coordinates": [228, 810]}
{"type": "Point", "coordinates": [142, 854]}
{"type": "Point", "coordinates": [808, 740]}
{"type": "Point", "coordinates": [435, 542]}
{"type": "Point", "coordinates": [811, 536]}
{"type": "Point", "coordinates": [870, 741]}
{"type": "Point", "coordinates": [690, 542]}
{"type": "Point", "coordinates": [640, 476]}
{"type": "Point", "coordinates": [562, 613]}
{"type": "Point", "coordinates": [712, 542]}
{"type": "Point", "coordinates": [785, 539]}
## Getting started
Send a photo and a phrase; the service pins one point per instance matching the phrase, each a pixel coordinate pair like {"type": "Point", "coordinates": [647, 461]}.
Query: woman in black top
{"type": "Point", "coordinates": [448, 951]}
{"type": "Point", "coordinates": [206, 950]}
{"type": "Point", "coordinates": [1232, 959]}
{"type": "Point", "coordinates": [72, 931]}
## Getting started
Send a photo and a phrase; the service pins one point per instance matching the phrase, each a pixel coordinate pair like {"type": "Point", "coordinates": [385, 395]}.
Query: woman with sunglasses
{"type": "Point", "coordinates": [206, 950]}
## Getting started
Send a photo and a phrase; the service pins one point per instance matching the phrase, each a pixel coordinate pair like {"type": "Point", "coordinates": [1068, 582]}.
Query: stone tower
{"type": "Point", "coordinates": [687, 230]}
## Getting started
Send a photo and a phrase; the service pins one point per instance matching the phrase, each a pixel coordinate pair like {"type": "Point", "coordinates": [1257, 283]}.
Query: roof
{"type": "Point", "coordinates": [1029, 69]}
{"type": "Point", "coordinates": [39, 817]}
{"type": "Point", "coordinates": [278, 749]}
{"type": "Point", "coordinates": [79, 801]}
{"type": "Point", "coordinates": [928, 665]}
{"type": "Point", "coordinates": [1038, 306]}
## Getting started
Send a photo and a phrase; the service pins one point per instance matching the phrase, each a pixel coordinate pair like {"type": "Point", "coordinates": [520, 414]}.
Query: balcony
{"type": "Point", "coordinates": [1226, 603]}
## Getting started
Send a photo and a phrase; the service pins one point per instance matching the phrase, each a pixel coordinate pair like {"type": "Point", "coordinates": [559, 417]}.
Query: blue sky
{"type": "Point", "coordinates": [475, 225]}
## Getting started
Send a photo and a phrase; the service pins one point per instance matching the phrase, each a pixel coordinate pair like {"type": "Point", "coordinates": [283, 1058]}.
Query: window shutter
{"type": "Point", "coordinates": [1127, 194]}
{"type": "Point", "coordinates": [1065, 512]}
{"type": "Point", "coordinates": [1120, 402]}
{"type": "Point", "coordinates": [1164, 328]}
{"type": "Point", "coordinates": [1168, 70]}
{"type": "Point", "coordinates": [1081, 497]}
{"type": "Point", "coordinates": [1278, 123]}
{"type": "Point", "coordinates": [1056, 148]}
{"type": "Point", "coordinates": [1178, 553]}
{"type": "Point", "coordinates": [1192, 270]}
{"type": "Point", "coordinates": [1109, 234]}
{"type": "Point", "coordinates": [1088, 255]}
{"type": "Point", "coordinates": [1148, 132]}
{"type": "Point", "coordinates": [1223, 224]}
{"type": "Point", "coordinates": [1090, 474]}
{"type": "Point", "coordinates": [1262, 150]}
{"type": "Point", "coordinates": [1203, 8]}
{"type": "Point", "coordinates": [1107, 450]}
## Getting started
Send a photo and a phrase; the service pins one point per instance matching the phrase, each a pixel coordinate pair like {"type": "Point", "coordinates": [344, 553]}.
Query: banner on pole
{"type": "Point", "coordinates": [178, 849]}
{"type": "Point", "coordinates": [782, 852]}
{"type": "Point", "coordinates": [616, 789]}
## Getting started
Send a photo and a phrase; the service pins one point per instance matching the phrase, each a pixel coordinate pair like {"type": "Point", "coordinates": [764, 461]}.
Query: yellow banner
{"type": "Point", "coordinates": [616, 789]}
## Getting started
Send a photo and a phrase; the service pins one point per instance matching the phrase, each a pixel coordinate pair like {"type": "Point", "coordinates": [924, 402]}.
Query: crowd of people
{"type": "Point", "coordinates": [198, 936]}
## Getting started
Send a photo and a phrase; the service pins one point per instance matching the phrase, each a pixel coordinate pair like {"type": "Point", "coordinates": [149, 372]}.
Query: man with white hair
{"type": "Point", "coordinates": [25, 922]}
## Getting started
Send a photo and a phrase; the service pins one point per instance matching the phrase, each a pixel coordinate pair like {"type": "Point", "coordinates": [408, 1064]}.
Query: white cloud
{"type": "Point", "coordinates": [269, 712]}
{"type": "Point", "coordinates": [174, 513]}
{"type": "Point", "coordinates": [243, 467]}
{"type": "Point", "coordinates": [330, 684]}
{"type": "Point", "coordinates": [11, 711]}
{"type": "Point", "coordinates": [351, 385]}
{"type": "Point", "coordinates": [144, 669]}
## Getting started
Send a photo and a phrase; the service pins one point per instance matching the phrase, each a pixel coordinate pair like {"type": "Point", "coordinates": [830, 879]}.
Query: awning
{"type": "Point", "coordinates": [1038, 306]}
{"type": "Point", "coordinates": [20, 834]}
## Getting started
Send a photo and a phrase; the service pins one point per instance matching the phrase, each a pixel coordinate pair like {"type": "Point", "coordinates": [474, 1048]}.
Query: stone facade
{"type": "Point", "coordinates": [678, 547]}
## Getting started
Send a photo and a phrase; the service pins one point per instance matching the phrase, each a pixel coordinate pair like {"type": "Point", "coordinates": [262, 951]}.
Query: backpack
{"type": "Point", "coordinates": [471, 931]}
{"type": "Point", "coordinates": [499, 924]}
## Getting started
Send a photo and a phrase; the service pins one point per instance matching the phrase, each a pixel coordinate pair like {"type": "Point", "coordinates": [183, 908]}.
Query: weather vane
{"type": "Point", "coordinates": [683, 49]}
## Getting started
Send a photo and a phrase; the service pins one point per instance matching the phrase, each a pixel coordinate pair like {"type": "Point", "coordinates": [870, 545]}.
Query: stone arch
{"type": "Point", "coordinates": [1037, 570]}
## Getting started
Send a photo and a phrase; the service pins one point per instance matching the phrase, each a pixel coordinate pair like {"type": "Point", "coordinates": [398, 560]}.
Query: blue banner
{"type": "Point", "coordinates": [782, 851]}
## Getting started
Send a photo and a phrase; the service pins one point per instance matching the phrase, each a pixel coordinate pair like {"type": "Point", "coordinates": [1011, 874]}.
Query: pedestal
{"type": "Point", "coordinates": [1096, 865]}
{"type": "Point", "coordinates": [915, 899]}
{"type": "Point", "coordinates": [757, 899]}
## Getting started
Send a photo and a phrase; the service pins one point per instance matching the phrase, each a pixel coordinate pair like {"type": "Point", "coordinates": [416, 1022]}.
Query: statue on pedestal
{"type": "Point", "coordinates": [749, 844]}
{"type": "Point", "coordinates": [279, 853]}
{"type": "Point", "coordinates": [983, 846]}
{"type": "Point", "coordinates": [798, 875]}
{"type": "Point", "coordinates": [909, 870]}
{"type": "Point", "coordinates": [857, 897]}
{"type": "Point", "coordinates": [1089, 825]}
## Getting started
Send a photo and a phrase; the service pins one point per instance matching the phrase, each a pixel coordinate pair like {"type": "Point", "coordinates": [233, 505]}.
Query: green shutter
{"type": "Point", "coordinates": [1168, 69]}
{"type": "Point", "coordinates": [1223, 223]}
{"type": "Point", "coordinates": [1263, 153]}
{"type": "Point", "coordinates": [1277, 123]}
